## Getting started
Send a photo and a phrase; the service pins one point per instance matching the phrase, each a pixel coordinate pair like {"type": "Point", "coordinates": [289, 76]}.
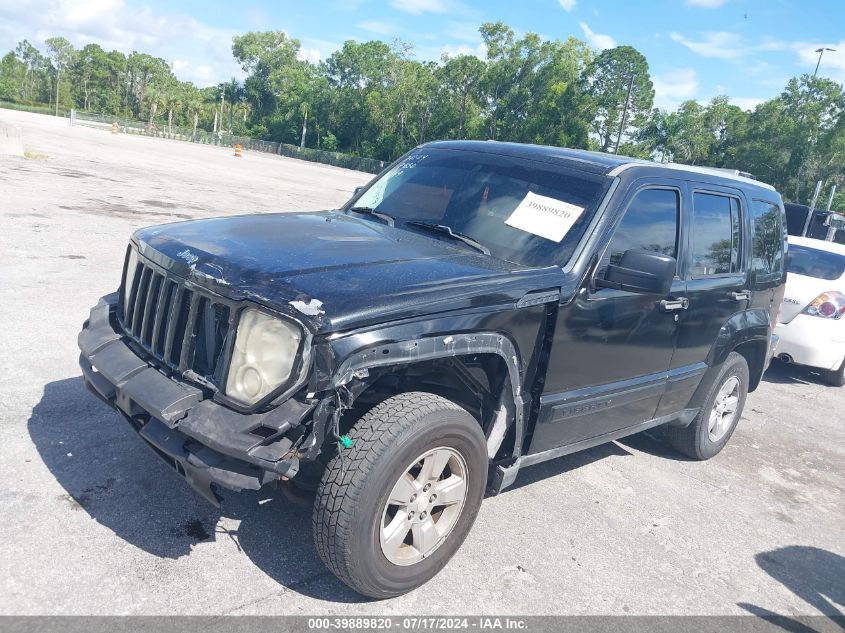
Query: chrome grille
{"type": "Point", "coordinates": [181, 328]}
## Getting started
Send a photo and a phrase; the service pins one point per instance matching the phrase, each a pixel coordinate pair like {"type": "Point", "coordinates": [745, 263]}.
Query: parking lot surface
{"type": "Point", "coordinates": [94, 523]}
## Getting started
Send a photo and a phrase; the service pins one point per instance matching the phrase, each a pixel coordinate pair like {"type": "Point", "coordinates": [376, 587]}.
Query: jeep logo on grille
{"type": "Point", "coordinates": [188, 256]}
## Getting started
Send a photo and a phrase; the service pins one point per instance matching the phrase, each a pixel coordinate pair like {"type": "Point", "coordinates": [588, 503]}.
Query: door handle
{"type": "Point", "coordinates": [742, 295]}
{"type": "Point", "coordinates": [670, 305]}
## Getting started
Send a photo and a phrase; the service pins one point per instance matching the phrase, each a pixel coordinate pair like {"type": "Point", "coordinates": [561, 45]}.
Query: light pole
{"type": "Point", "coordinates": [821, 51]}
{"type": "Point", "coordinates": [624, 114]}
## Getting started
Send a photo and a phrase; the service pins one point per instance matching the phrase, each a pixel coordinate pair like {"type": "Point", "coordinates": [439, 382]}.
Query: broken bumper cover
{"type": "Point", "coordinates": [210, 445]}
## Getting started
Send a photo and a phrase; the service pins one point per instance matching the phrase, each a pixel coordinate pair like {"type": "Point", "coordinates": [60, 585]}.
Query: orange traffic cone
{"type": "Point", "coordinates": [237, 151]}
{"type": "Point", "coordinates": [114, 128]}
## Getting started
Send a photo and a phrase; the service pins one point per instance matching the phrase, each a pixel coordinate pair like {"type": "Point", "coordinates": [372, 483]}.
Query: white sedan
{"type": "Point", "coordinates": [811, 324]}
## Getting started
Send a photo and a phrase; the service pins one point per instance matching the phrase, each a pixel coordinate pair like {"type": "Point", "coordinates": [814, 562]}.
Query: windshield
{"type": "Point", "coordinates": [812, 262]}
{"type": "Point", "coordinates": [527, 212]}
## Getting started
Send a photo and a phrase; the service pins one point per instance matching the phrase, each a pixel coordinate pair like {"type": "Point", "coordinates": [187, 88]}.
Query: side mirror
{"type": "Point", "coordinates": [640, 271]}
{"type": "Point", "coordinates": [358, 190]}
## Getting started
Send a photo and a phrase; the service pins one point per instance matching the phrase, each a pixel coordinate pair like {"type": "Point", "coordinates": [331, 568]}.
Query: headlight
{"type": "Point", "coordinates": [263, 358]}
{"type": "Point", "coordinates": [131, 265]}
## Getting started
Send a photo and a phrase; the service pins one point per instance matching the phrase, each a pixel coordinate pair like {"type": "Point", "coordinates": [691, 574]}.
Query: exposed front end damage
{"type": "Point", "coordinates": [211, 445]}
{"type": "Point", "coordinates": [215, 447]}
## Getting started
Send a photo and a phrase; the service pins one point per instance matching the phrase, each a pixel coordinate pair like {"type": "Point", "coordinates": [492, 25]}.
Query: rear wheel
{"type": "Point", "coordinates": [835, 377]}
{"type": "Point", "coordinates": [393, 509]}
{"type": "Point", "coordinates": [711, 429]}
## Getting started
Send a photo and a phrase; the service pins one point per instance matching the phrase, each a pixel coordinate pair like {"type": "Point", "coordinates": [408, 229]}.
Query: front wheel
{"type": "Point", "coordinates": [835, 377]}
{"type": "Point", "coordinates": [711, 429]}
{"type": "Point", "coordinates": [393, 509]}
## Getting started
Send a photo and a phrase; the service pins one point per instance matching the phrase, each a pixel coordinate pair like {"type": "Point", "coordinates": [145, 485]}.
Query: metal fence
{"type": "Point", "coordinates": [224, 139]}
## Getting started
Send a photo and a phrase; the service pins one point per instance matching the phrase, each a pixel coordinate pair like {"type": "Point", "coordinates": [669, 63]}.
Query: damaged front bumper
{"type": "Point", "coordinates": [209, 444]}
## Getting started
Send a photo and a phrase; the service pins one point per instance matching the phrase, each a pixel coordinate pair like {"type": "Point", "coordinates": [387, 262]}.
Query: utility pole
{"type": "Point", "coordinates": [304, 128]}
{"type": "Point", "coordinates": [812, 210]}
{"type": "Point", "coordinates": [830, 200]}
{"type": "Point", "coordinates": [222, 99]}
{"type": "Point", "coordinates": [58, 77]}
{"type": "Point", "coordinates": [624, 114]}
{"type": "Point", "coordinates": [821, 51]}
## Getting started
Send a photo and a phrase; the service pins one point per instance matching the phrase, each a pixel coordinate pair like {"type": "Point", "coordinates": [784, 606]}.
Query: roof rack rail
{"type": "Point", "coordinates": [732, 174]}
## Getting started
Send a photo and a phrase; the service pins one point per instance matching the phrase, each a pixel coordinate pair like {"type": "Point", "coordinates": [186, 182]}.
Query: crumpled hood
{"type": "Point", "coordinates": [334, 270]}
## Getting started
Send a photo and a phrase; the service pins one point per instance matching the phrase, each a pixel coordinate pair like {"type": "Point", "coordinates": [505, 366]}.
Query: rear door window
{"type": "Point", "coordinates": [716, 235]}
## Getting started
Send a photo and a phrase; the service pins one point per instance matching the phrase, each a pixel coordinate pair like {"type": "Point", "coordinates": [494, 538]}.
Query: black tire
{"type": "Point", "coordinates": [694, 440]}
{"type": "Point", "coordinates": [835, 377]}
{"type": "Point", "coordinates": [355, 487]}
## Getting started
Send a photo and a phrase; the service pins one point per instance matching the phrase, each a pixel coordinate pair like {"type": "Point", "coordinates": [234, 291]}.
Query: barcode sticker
{"type": "Point", "coordinates": [547, 217]}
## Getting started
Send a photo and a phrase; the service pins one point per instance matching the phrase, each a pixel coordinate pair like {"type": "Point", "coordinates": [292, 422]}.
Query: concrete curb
{"type": "Point", "coordinates": [10, 140]}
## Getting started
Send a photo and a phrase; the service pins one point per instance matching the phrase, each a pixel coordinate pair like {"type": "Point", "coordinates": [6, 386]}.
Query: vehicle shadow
{"type": "Point", "coordinates": [561, 465]}
{"type": "Point", "coordinates": [779, 373]}
{"type": "Point", "coordinates": [108, 472]}
{"type": "Point", "coordinates": [815, 575]}
{"type": "Point", "coordinates": [655, 442]}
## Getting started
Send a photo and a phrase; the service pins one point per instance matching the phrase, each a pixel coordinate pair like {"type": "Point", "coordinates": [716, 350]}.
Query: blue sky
{"type": "Point", "coordinates": [696, 49]}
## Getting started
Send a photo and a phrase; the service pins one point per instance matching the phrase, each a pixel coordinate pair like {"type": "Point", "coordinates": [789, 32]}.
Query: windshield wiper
{"type": "Point", "coordinates": [386, 218]}
{"type": "Point", "coordinates": [447, 230]}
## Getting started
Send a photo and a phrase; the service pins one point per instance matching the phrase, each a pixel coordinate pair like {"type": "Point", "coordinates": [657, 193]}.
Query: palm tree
{"type": "Point", "coordinates": [173, 99]}
{"type": "Point", "coordinates": [192, 102]}
{"type": "Point", "coordinates": [153, 97]}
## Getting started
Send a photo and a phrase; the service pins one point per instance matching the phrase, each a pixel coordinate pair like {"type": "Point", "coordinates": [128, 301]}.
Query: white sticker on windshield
{"type": "Point", "coordinates": [547, 217]}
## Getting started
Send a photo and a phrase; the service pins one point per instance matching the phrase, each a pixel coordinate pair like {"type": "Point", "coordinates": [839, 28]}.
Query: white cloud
{"type": "Point", "coordinates": [567, 5]}
{"type": "Point", "coordinates": [479, 51]}
{"type": "Point", "coordinates": [719, 44]}
{"type": "Point", "coordinates": [309, 55]}
{"type": "Point", "coordinates": [747, 103]}
{"type": "Point", "coordinates": [727, 45]}
{"type": "Point", "coordinates": [378, 26]}
{"type": "Point", "coordinates": [203, 52]}
{"type": "Point", "coordinates": [418, 7]}
{"type": "Point", "coordinates": [314, 49]}
{"type": "Point", "coordinates": [464, 31]}
{"type": "Point", "coordinates": [597, 40]}
{"type": "Point", "coordinates": [675, 86]}
{"type": "Point", "coordinates": [707, 4]}
{"type": "Point", "coordinates": [258, 19]}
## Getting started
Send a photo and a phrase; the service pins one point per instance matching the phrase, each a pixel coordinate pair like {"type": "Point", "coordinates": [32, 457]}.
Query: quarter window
{"type": "Point", "coordinates": [650, 224]}
{"type": "Point", "coordinates": [768, 240]}
{"type": "Point", "coordinates": [716, 235]}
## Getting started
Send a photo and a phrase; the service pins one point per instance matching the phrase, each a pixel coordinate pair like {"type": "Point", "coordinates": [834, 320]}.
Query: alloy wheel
{"type": "Point", "coordinates": [423, 506]}
{"type": "Point", "coordinates": [724, 409]}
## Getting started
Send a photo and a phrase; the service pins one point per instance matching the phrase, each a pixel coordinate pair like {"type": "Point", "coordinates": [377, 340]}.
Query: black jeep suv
{"type": "Point", "coordinates": [477, 308]}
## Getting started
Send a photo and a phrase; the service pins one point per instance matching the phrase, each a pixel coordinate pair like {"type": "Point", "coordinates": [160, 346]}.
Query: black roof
{"type": "Point", "coordinates": [594, 162]}
{"type": "Point", "coordinates": [599, 161]}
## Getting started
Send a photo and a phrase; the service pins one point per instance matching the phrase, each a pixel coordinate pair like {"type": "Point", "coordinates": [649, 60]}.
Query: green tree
{"type": "Point", "coordinates": [34, 84]}
{"type": "Point", "coordinates": [12, 74]}
{"type": "Point", "coordinates": [605, 83]}
{"type": "Point", "coordinates": [62, 55]}
{"type": "Point", "coordinates": [356, 74]}
{"type": "Point", "coordinates": [91, 76]}
{"type": "Point", "coordinates": [460, 77]}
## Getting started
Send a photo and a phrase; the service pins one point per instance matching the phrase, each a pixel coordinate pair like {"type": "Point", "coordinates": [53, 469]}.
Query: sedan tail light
{"type": "Point", "coordinates": [828, 305]}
